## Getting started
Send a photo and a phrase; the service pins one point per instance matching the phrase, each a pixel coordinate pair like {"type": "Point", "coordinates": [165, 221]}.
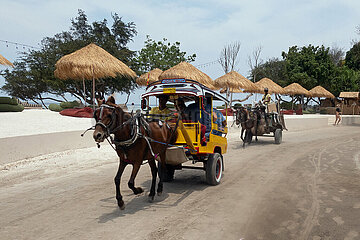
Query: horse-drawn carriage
{"type": "Point", "coordinates": [201, 132]}
{"type": "Point", "coordinates": [260, 120]}
{"type": "Point", "coordinates": [193, 135]}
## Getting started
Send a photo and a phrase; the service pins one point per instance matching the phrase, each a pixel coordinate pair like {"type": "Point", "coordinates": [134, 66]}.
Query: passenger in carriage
{"type": "Point", "coordinates": [181, 108]}
{"type": "Point", "coordinates": [162, 110]}
{"type": "Point", "coordinates": [193, 114]}
{"type": "Point", "coordinates": [220, 120]}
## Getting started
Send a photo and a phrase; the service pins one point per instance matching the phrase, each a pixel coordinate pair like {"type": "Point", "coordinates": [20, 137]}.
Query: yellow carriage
{"type": "Point", "coordinates": [201, 129]}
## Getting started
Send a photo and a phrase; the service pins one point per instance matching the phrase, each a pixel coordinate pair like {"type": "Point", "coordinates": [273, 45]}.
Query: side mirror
{"type": "Point", "coordinates": [143, 104]}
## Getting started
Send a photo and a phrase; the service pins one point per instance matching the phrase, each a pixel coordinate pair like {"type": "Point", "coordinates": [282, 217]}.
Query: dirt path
{"type": "Point", "coordinates": [306, 188]}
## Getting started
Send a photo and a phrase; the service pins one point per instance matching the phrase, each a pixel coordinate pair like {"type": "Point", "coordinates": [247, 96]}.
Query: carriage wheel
{"type": "Point", "coordinates": [214, 169]}
{"type": "Point", "coordinates": [168, 173]}
{"type": "Point", "coordinates": [278, 136]}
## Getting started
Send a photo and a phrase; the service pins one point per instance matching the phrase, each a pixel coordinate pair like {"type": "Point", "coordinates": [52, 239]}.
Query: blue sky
{"type": "Point", "coordinates": [202, 27]}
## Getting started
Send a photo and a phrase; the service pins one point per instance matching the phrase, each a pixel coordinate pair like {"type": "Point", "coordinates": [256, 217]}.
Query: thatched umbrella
{"type": "Point", "coordinates": [296, 89]}
{"type": "Point", "coordinates": [268, 83]}
{"type": "Point", "coordinates": [349, 95]}
{"type": "Point", "coordinates": [187, 71]}
{"type": "Point", "coordinates": [231, 90]}
{"type": "Point", "coordinates": [4, 61]}
{"type": "Point", "coordinates": [319, 91]}
{"type": "Point", "coordinates": [149, 77]}
{"type": "Point", "coordinates": [91, 62]}
{"type": "Point", "coordinates": [235, 80]}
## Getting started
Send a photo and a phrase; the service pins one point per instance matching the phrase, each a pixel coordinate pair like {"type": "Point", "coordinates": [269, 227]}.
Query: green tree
{"type": "Point", "coordinates": [345, 80]}
{"type": "Point", "coordinates": [37, 66]}
{"type": "Point", "coordinates": [309, 66]}
{"type": "Point", "coordinates": [274, 68]}
{"type": "Point", "coordinates": [352, 59]}
{"type": "Point", "coordinates": [159, 54]}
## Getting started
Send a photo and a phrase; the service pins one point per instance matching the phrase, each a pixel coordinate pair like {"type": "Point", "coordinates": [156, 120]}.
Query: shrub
{"type": "Point", "coordinates": [55, 107]}
{"type": "Point", "coordinates": [237, 105]}
{"type": "Point", "coordinates": [288, 105]}
{"type": "Point", "coordinates": [72, 104]}
{"type": "Point", "coordinates": [11, 108]}
{"type": "Point", "coordinates": [8, 100]}
{"type": "Point", "coordinates": [323, 111]}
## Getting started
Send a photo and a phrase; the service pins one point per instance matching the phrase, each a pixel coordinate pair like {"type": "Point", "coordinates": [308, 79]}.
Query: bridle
{"type": "Point", "coordinates": [99, 120]}
{"type": "Point", "coordinates": [239, 113]}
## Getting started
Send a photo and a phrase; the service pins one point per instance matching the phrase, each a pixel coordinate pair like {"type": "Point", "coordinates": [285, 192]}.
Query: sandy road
{"type": "Point", "coordinates": [306, 188]}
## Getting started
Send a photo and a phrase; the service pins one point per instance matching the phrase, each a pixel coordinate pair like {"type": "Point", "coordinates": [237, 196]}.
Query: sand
{"type": "Point", "coordinates": [39, 121]}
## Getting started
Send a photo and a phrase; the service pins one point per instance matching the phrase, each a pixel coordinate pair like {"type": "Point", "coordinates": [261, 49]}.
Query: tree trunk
{"type": "Point", "coordinates": [127, 98]}
{"type": "Point", "coordinates": [42, 102]}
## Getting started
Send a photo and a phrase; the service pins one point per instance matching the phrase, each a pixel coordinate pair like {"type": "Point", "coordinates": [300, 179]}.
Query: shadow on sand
{"type": "Point", "coordinates": [262, 141]}
{"type": "Point", "coordinates": [185, 182]}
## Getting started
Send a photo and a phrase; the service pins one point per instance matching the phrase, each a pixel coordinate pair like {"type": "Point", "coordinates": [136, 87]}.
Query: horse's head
{"type": "Point", "coordinates": [108, 116]}
{"type": "Point", "coordinates": [241, 115]}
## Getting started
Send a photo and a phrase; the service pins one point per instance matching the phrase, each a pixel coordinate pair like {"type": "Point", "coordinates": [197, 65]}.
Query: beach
{"type": "Point", "coordinates": [39, 121]}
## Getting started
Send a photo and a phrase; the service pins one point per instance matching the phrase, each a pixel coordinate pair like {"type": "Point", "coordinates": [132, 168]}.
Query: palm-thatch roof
{"type": "Point", "coordinates": [268, 83]}
{"type": "Point", "coordinates": [4, 61]}
{"type": "Point", "coordinates": [296, 89]}
{"type": "Point", "coordinates": [187, 71]}
{"type": "Point", "coordinates": [235, 80]}
{"type": "Point", "coordinates": [149, 77]}
{"type": "Point", "coordinates": [319, 91]}
{"type": "Point", "coordinates": [91, 62]}
{"type": "Point", "coordinates": [349, 95]}
{"type": "Point", "coordinates": [231, 90]}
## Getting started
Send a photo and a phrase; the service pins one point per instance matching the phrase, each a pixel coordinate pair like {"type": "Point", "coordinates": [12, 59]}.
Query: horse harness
{"type": "Point", "coordinates": [135, 123]}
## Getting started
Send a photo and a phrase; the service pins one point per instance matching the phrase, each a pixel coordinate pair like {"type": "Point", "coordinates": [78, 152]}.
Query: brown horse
{"type": "Point", "coordinates": [243, 118]}
{"type": "Point", "coordinates": [135, 141]}
{"type": "Point", "coordinates": [251, 122]}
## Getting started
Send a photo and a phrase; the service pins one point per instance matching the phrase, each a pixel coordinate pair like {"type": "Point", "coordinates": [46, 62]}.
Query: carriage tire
{"type": "Point", "coordinates": [214, 168]}
{"type": "Point", "coordinates": [168, 173]}
{"type": "Point", "coordinates": [278, 136]}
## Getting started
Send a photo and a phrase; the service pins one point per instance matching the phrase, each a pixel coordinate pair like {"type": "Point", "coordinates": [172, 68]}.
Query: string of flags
{"type": "Point", "coordinates": [204, 65]}
{"type": "Point", "coordinates": [18, 45]}
{"type": "Point", "coordinates": [24, 46]}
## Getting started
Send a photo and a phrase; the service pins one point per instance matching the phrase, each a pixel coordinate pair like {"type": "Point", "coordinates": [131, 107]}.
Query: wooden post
{"type": "Point", "coordinates": [84, 92]}
{"type": "Point", "coordinates": [93, 95]}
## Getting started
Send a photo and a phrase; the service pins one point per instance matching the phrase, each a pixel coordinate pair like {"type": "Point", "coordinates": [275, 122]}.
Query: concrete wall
{"type": "Point", "coordinates": [299, 124]}
{"type": "Point", "coordinates": [22, 147]}
{"type": "Point", "coordinates": [350, 120]}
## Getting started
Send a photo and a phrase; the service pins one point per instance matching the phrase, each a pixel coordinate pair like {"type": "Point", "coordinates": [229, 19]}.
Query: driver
{"type": "Point", "coordinates": [162, 109]}
{"type": "Point", "coordinates": [266, 98]}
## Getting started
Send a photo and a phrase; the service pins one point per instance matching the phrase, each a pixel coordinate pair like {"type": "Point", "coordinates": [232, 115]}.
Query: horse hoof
{"type": "Point", "coordinates": [139, 190]}
{"type": "Point", "coordinates": [151, 199]}
{"type": "Point", "coordinates": [159, 193]}
{"type": "Point", "coordinates": [121, 205]}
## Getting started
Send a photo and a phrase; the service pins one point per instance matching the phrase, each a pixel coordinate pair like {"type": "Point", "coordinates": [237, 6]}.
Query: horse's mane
{"type": "Point", "coordinates": [126, 115]}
